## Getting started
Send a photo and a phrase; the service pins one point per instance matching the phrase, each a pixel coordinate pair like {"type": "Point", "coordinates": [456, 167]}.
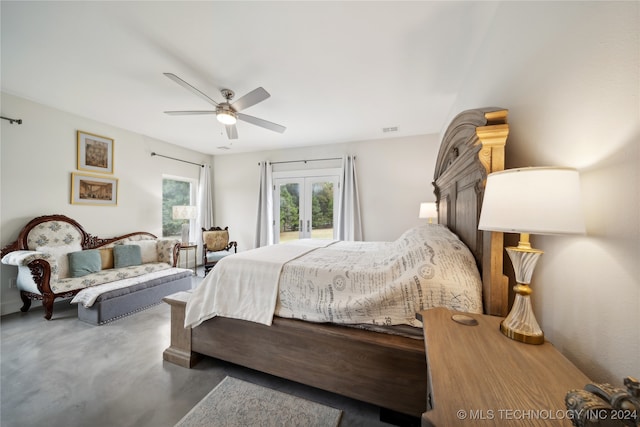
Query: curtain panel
{"type": "Point", "coordinates": [349, 225]}
{"type": "Point", "coordinates": [205, 205]}
{"type": "Point", "coordinates": [264, 224]}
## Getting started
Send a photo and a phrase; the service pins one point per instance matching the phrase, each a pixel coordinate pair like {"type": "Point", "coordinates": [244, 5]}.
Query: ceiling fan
{"type": "Point", "coordinates": [226, 112]}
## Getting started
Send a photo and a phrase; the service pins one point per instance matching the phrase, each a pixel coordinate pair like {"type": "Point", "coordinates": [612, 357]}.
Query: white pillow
{"type": "Point", "coordinates": [60, 254]}
{"type": "Point", "coordinates": [148, 249]}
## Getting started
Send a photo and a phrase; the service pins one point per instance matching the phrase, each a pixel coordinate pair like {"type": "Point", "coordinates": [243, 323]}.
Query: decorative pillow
{"type": "Point", "coordinates": [60, 254]}
{"type": "Point", "coordinates": [86, 262]}
{"type": "Point", "coordinates": [126, 255]}
{"type": "Point", "coordinates": [106, 257]}
{"type": "Point", "coordinates": [165, 249]}
{"type": "Point", "coordinates": [149, 250]}
{"type": "Point", "coordinates": [216, 240]}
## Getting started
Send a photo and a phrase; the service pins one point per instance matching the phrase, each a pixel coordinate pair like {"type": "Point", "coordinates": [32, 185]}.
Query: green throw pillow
{"type": "Point", "coordinates": [126, 255]}
{"type": "Point", "coordinates": [86, 262]}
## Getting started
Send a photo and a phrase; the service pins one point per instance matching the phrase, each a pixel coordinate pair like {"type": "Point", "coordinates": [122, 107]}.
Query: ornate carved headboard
{"type": "Point", "coordinates": [472, 147]}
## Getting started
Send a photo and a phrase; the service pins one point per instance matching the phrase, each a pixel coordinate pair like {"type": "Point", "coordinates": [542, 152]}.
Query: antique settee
{"type": "Point", "coordinates": [57, 258]}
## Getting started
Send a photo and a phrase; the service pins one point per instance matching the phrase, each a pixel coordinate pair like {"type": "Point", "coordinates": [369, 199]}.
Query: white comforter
{"type": "Point", "coordinates": [382, 283]}
{"type": "Point", "coordinates": [245, 285]}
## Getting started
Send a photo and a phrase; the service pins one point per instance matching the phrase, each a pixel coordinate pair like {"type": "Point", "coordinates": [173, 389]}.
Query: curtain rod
{"type": "Point", "coordinates": [179, 160]}
{"type": "Point", "coordinates": [12, 121]}
{"type": "Point", "coordinates": [305, 161]}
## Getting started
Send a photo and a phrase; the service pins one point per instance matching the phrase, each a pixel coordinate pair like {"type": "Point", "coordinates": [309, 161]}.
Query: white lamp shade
{"type": "Point", "coordinates": [184, 212]}
{"type": "Point", "coordinates": [428, 210]}
{"type": "Point", "coordinates": [541, 200]}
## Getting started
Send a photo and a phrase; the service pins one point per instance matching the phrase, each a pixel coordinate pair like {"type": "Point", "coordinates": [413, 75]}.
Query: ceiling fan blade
{"type": "Point", "coordinates": [186, 113]}
{"type": "Point", "coordinates": [252, 98]}
{"type": "Point", "coordinates": [262, 123]}
{"type": "Point", "coordinates": [232, 131]}
{"type": "Point", "coordinates": [190, 88]}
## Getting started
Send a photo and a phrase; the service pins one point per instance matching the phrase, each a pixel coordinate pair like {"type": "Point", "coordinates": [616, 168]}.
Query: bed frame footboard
{"type": "Point", "coordinates": [179, 351]}
{"type": "Point", "coordinates": [384, 370]}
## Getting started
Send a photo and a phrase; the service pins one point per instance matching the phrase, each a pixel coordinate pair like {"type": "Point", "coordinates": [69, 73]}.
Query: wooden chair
{"type": "Point", "coordinates": [216, 245]}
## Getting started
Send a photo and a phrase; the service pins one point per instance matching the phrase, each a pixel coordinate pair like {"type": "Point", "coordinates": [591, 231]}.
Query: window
{"type": "Point", "coordinates": [175, 192]}
{"type": "Point", "coordinates": [305, 204]}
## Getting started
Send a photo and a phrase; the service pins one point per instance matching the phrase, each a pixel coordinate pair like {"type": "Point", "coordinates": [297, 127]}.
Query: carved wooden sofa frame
{"type": "Point", "coordinates": [41, 269]}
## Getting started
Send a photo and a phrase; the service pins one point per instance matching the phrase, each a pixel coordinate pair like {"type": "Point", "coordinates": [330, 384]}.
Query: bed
{"type": "Point", "coordinates": [387, 370]}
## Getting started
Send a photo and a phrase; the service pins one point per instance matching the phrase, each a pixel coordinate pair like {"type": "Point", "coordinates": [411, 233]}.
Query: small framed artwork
{"type": "Point", "coordinates": [95, 153]}
{"type": "Point", "coordinates": [93, 190]}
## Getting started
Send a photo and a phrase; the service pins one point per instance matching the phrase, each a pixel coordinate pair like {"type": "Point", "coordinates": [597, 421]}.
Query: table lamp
{"type": "Point", "coordinates": [184, 212]}
{"type": "Point", "coordinates": [428, 210]}
{"type": "Point", "coordinates": [540, 200]}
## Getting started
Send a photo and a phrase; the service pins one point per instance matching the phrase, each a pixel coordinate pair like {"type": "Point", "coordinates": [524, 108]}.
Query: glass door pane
{"type": "Point", "coordinates": [322, 208]}
{"type": "Point", "coordinates": [289, 220]}
{"type": "Point", "coordinates": [305, 207]}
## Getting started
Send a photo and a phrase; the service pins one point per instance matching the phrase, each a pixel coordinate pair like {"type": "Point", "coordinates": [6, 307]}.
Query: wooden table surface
{"type": "Point", "coordinates": [479, 376]}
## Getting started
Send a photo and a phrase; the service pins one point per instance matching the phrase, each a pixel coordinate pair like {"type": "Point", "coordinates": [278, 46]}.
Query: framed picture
{"type": "Point", "coordinates": [93, 190]}
{"type": "Point", "coordinates": [95, 153]}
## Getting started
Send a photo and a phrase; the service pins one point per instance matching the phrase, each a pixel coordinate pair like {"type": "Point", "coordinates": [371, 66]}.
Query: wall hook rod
{"type": "Point", "coordinates": [12, 121]}
{"type": "Point", "coordinates": [305, 161]}
{"type": "Point", "coordinates": [179, 160]}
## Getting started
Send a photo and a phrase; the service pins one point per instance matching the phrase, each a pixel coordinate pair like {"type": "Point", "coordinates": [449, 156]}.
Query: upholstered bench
{"type": "Point", "coordinates": [111, 304]}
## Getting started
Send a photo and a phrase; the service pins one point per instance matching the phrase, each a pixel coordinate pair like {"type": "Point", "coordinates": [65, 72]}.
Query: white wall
{"type": "Point", "coordinates": [394, 176]}
{"type": "Point", "coordinates": [573, 93]}
{"type": "Point", "coordinates": [38, 157]}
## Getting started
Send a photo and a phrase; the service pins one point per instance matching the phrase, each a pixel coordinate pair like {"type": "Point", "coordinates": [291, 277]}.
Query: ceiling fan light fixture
{"type": "Point", "coordinates": [226, 117]}
{"type": "Point", "coordinates": [226, 112]}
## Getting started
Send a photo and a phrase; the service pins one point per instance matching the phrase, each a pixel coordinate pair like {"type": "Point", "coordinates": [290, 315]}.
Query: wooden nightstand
{"type": "Point", "coordinates": [479, 376]}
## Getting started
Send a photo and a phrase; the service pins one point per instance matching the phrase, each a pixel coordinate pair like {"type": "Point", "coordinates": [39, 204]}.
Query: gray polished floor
{"type": "Point", "coordinates": [65, 372]}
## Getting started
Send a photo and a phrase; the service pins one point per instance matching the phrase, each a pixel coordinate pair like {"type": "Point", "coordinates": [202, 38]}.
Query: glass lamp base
{"type": "Point", "coordinates": [521, 324]}
{"type": "Point", "coordinates": [185, 234]}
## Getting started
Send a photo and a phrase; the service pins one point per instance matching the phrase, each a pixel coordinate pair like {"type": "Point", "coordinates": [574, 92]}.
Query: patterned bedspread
{"type": "Point", "coordinates": [375, 283]}
{"type": "Point", "coordinates": [382, 283]}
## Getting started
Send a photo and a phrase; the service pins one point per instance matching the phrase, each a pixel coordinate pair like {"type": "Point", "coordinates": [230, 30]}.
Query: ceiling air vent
{"type": "Point", "coordinates": [390, 129]}
{"type": "Point", "coordinates": [224, 147]}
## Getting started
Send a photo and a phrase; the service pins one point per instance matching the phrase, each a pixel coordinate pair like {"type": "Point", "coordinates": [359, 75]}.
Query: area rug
{"type": "Point", "coordinates": [238, 403]}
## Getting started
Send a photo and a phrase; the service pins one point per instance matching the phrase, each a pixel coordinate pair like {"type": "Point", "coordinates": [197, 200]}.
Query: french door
{"type": "Point", "coordinates": [305, 207]}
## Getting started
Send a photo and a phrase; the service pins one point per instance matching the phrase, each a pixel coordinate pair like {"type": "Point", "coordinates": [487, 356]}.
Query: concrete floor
{"type": "Point", "coordinates": [65, 372]}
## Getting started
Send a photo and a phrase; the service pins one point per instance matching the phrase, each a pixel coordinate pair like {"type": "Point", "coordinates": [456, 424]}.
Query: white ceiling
{"type": "Point", "coordinates": [336, 71]}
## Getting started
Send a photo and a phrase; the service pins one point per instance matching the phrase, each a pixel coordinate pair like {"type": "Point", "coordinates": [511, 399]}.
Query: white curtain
{"type": "Point", "coordinates": [349, 218]}
{"type": "Point", "coordinates": [205, 205]}
{"type": "Point", "coordinates": [264, 224]}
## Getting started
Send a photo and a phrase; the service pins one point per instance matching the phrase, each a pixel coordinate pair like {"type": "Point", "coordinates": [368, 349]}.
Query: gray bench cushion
{"type": "Point", "coordinates": [122, 302]}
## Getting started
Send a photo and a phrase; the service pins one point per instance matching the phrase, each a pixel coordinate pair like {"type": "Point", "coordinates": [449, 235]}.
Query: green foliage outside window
{"type": "Point", "coordinates": [174, 193]}
{"type": "Point", "coordinates": [289, 211]}
{"type": "Point", "coordinates": [322, 205]}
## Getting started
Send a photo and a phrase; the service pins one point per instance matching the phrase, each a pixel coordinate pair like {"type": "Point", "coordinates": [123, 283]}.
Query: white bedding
{"type": "Point", "coordinates": [381, 283]}
{"type": "Point", "coordinates": [245, 285]}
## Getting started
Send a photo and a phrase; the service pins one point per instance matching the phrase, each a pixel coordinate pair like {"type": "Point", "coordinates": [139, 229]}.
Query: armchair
{"type": "Point", "coordinates": [216, 245]}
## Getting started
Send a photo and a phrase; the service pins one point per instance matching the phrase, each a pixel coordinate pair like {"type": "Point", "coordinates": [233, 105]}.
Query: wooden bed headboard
{"type": "Point", "coordinates": [472, 147]}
